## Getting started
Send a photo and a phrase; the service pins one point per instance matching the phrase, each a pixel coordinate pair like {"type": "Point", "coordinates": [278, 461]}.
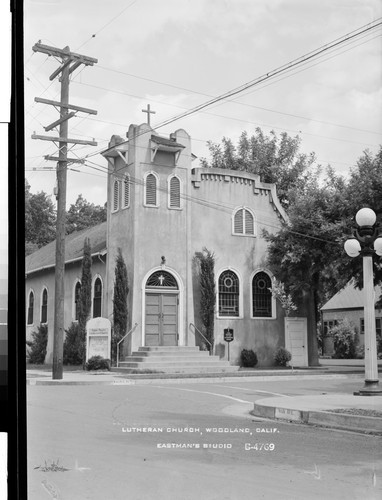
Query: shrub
{"type": "Point", "coordinates": [72, 346]}
{"type": "Point", "coordinates": [360, 352]}
{"type": "Point", "coordinates": [345, 339]}
{"type": "Point", "coordinates": [248, 358]}
{"type": "Point", "coordinates": [98, 363]}
{"type": "Point", "coordinates": [282, 356]}
{"type": "Point", "coordinates": [36, 354]}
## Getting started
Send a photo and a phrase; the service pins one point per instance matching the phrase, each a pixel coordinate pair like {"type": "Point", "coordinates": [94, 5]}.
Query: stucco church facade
{"type": "Point", "coordinates": [162, 211]}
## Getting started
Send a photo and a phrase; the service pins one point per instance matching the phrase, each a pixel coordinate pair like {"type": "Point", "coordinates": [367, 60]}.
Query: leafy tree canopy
{"type": "Point", "coordinates": [40, 220]}
{"type": "Point", "coordinates": [276, 159]}
{"type": "Point", "coordinates": [83, 214]}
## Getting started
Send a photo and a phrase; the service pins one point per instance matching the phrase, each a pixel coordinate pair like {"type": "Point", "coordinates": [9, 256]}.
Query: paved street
{"type": "Point", "coordinates": [192, 440]}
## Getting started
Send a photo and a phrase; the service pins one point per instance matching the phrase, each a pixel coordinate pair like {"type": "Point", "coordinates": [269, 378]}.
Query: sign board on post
{"type": "Point", "coordinates": [228, 334]}
{"type": "Point", "coordinates": [98, 338]}
{"type": "Point", "coordinates": [228, 337]}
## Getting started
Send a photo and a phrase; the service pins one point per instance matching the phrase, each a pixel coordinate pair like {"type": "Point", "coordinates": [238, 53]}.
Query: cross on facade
{"type": "Point", "coordinates": [149, 112]}
{"type": "Point", "coordinates": [161, 279]}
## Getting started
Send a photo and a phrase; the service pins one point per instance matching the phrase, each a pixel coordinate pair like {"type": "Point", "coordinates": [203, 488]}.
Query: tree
{"type": "Point", "coordinates": [40, 220]}
{"type": "Point", "coordinates": [83, 214]}
{"type": "Point", "coordinates": [85, 298]}
{"type": "Point", "coordinates": [304, 254]}
{"type": "Point", "coordinates": [120, 312]}
{"type": "Point", "coordinates": [207, 293]}
{"type": "Point", "coordinates": [276, 159]}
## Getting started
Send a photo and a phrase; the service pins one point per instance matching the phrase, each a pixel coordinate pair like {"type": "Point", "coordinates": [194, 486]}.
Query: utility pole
{"type": "Point", "coordinates": [69, 62]}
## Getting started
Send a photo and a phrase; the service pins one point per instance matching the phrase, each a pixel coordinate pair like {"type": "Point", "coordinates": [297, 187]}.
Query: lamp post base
{"type": "Point", "coordinates": [371, 388]}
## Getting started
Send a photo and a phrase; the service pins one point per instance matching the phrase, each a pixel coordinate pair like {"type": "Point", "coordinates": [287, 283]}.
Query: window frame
{"type": "Point", "coordinates": [244, 209]}
{"type": "Point", "coordinates": [151, 205]}
{"type": "Point", "coordinates": [97, 277]}
{"type": "Point", "coordinates": [126, 188]}
{"type": "Point", "coordinates": [239, 314]}
{"type": "Point", "coordinates": [29, 308]}
{"type": "Point", "coordinates": [116, 196]}
{"type": "Point", "coordinates": [273, 300]}
{"type": "Point", "coordinates": [169, 180]}
{"type": "Point", "coordinates": [44, 307]}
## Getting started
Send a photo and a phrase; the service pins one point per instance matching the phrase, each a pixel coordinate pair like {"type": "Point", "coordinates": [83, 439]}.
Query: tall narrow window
{"type": "Point", "coordinates": [30, 308]}
{"type": "Point", "coordinates": [97, 298]}
{"type": "Point", "coordinates": [126, 192]}
{"type": "Point", "coordinates": [77, 300]}
{"type": "Point", "coordinates": [243, 222]}
{"type": "Point", "coordinates": [228, 294]}
{"type": "Point", "coordinates": [115, 196]}
{"type": "Point", "coordinates": [174, 194]}
{"type": "Point", "coordinates": [44, 306]}
{"type": "Point", "coordinates": [151, 190]}
{"type": "Point", "coordinates": [261, 296]}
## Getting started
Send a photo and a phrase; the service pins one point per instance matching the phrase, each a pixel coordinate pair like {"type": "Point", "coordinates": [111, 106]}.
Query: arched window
{"type": "Point", "coordinates": [261, 295]}
{"type": "Point", "coordinates": [162, 279]}
{"type": "Point", "coordinates": [97, 298]}
{"type": "Point", "coordinates": [126, 192]}
{"type": "Point", "coordinates": [151, 196]}
{"type": "Point", "coordinates": [243, 222]}
{"type": "Point", "coordinates": [77, 300]}
{"type": "Point", "coordinates": [30, 308]}
{"type": "Point", "coordinates": [115, 196]}
{"type": "Point", "coordinates": [174, 192]}
{"type": "Point", "coordinates": [44, 306]}
{"type": "Point", "coordinates": [228, 294]}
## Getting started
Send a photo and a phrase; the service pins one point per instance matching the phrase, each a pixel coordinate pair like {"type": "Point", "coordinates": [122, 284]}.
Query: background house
{"type": "Point", "coordinates": [348, 303]}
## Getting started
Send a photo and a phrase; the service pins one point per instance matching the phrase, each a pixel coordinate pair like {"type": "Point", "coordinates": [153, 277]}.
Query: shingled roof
{"type": "Point", "coordinates": [349, 297]}
{"type": "Point", "coordinates": [44, 257]}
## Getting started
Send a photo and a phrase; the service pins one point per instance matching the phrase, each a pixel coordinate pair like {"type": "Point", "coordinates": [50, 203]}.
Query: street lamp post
{"type": "Point", "coordinates": [365, 242]}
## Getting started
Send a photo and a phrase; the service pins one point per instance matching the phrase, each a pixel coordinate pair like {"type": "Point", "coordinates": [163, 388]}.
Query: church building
{"type": "Point", "coordinates": [161, 212]}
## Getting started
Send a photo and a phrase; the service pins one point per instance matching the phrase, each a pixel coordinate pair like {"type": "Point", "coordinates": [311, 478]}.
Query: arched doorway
{"type": "Point", "coordinates": [161, 309]}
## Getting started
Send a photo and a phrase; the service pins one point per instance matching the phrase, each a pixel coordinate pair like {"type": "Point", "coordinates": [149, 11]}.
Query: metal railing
{"type": "Point", "coordinates": [200, 333]}
{"type": "Point", "coordinates": [128, 333]}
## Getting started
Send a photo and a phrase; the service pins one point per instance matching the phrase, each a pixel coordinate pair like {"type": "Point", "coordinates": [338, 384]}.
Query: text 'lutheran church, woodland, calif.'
{"type": "Point", "coordinates": [161, 212]}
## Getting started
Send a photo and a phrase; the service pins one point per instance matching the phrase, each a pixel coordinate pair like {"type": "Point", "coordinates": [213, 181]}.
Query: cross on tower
{"type": "Point", "coordinates": [148, 113]}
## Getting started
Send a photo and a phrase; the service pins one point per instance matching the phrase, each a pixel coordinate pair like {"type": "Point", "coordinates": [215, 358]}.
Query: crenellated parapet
{"type": "Point", "coordinates": [227, 177]}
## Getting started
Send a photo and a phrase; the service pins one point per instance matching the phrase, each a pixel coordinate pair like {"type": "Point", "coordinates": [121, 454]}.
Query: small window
{"type": "Point", "coordinates": [228, 294]}
{"type": "Point", "coordinates": [77, 301]}
{"type": "Point", "coordinates": [151, 190]}
{"type": "Point", "coordinates": [174, 192]}
{"type": "Point", "coordinates": [97, 298]}
{"type": "Point", "coordinates": [378, 326]}
{"type": "Point", "coordinates": [30, 308]}
{"type": "Point", "coordinates": [115, 196]}
{"type": "Point", "coordinates": [126, 192]}
{"type": "Point", "coordinates": [261, 296]}
{"type": "Point", "coordinates": [44, 306]}
{"type": "Point", "coordinates": [243, 222]}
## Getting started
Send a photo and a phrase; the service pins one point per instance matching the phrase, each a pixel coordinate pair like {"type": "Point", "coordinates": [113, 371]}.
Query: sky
{"type": "Point", "coordinates": [177, 54]}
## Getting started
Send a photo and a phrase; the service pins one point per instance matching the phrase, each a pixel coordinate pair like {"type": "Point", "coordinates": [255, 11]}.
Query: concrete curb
{"type": "Point", "coordinates": [322, 418]}
{"type": "Point", "coordinates": [181, 378]}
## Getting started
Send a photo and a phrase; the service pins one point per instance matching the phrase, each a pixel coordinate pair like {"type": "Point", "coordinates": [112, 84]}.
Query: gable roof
{"type": "Point", "coordinates": [350, 297]}
{"type": "Point", "coordinates": [45, 257]}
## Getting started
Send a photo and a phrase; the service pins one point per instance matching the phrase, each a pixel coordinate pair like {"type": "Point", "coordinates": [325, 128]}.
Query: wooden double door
{"type": "Point", "coordinates": [161, 319]}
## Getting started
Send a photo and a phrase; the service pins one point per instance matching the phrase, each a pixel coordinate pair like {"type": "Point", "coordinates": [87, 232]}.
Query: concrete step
{"type": "Point", "coordinates": [173, 353]}
{"type": "Point", "coordinates": [183, 369]}
{"type": "Point", "coordinates": [179, 359]}
{"type": "Point", "coordinates": [171, 364]}
{"type": "Point", "coordinates": [177, 348]}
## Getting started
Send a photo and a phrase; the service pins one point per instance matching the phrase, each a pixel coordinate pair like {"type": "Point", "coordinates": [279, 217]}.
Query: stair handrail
{"type": "Point", "coordinates": [128, 333]}
{"type": "Point", "coordinates": [200, 333]}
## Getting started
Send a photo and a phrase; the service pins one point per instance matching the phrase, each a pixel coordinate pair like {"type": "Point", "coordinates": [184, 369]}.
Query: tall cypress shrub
{"type": "Point", "coordinates": [85, 298]}
{"type": "Point", "coordinates": [120, 312]}
{"type": "Point", "coordinates": [207, 294]}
